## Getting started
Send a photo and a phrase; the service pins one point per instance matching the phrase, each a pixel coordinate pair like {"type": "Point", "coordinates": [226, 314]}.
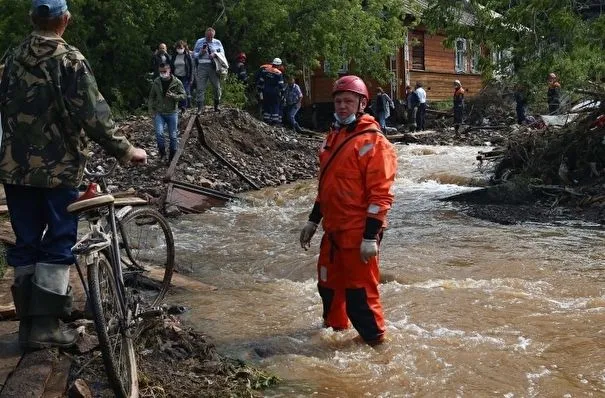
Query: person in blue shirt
{"type": "Point", "coordinates": [293, 102]}
{"type": "Point", "coordinates": [204, 52]}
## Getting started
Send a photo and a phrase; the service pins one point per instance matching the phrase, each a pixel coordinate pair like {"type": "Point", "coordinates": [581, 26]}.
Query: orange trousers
{"type": "Point", "coordinates": [348, 287]}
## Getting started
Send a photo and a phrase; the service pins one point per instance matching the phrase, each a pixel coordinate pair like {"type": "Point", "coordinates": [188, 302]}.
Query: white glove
{"type": "Point", "coordinates": [306, 234]}
{"type": "Point", "coordinates": [368, 249]}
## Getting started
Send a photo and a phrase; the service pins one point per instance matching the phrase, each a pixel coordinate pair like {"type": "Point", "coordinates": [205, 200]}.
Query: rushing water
{"type": "Point", "coordinates": [473, 308]}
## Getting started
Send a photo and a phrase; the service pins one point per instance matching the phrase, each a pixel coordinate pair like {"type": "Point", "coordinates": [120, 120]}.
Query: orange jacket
{"type": "Point", "coordinates": [357, 183]}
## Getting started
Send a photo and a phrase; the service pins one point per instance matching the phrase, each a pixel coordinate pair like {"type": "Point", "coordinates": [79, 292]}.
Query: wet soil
{"type": "Point", "coordinates": [172, 362]}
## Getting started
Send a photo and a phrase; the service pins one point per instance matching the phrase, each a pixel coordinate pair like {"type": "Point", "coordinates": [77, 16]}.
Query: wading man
{"type": "Point", "coordinates": [50, 106]}
{"type": "Point", "coordinates": [357, 169]}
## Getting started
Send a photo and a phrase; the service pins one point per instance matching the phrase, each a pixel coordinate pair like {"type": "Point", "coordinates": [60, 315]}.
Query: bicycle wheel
{"type": "Point", "coordinates": [115, 342]}
{"type": "Point", "coordinates": [147, 250]}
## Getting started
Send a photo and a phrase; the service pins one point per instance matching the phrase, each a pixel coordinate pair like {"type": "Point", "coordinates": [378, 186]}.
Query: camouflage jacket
{"type": "Point", "coordinates": [50, 107]}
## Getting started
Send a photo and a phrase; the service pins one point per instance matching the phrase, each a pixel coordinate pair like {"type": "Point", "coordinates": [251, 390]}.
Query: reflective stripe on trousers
{"type": "Point", "coordinates": [349, 288]}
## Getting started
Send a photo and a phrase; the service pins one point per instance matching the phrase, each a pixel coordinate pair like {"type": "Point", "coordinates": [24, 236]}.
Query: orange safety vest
{"type": "Point", "coordinates": [357, 182]}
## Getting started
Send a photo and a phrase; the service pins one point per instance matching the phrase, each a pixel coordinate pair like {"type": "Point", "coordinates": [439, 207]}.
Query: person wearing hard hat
{"type": "Point", "coordinates": [270, 86]}
{"type": "Point", "coordinates": [357, 170]}
{"type": "Point", "coordinates": [553, 95]}
{"type": "Point", "coordinates": [240, 67]}
{"type": "Point", "coordinates": [458, 104]}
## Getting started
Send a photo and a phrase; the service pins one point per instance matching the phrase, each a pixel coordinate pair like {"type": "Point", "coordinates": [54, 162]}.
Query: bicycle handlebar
{"type": "Point", "coordinates": [100, 173]}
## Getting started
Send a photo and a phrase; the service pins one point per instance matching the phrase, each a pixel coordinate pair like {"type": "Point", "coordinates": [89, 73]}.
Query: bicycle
{"type": "Point", "coordinates": [117, 312]}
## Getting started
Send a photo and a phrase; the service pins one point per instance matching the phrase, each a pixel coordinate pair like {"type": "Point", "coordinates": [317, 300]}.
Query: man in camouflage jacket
{"type": "Point", "coordinates": [50, 107]}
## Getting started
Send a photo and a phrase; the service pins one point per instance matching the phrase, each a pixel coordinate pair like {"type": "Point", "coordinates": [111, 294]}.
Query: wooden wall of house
{"type": "Point", "coordinates": [437, 58]}
{"type": "Point", "coordinates": [440, 70]}
{"type": "Point", "coordinates": [440, 86]}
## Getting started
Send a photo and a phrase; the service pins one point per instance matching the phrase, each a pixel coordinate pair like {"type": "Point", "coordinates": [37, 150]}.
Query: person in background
{"type": "Point", "coordinates": [270, 86]}
{"type": "Point", "coordinates": [164, 96]}
{"type": "Point", "coordinates": [353, 213]}
{"type": "Point", "coordinates": [520, 96]}
{"type": "Point", "coordinates": [160, 56]}
{"type": "Point", "coordinates": [182, 67]}
{"type": "Point", "coordinates": [204, 52]}
{"type": "Point", "coordinates": [421, 112]}
{"type": "Point", "coordinates": [240, 67]}
{"type": "Point", "coordinates": [47, 123]}
{"type": "Point", "coordinates": [294, 98]}
{"type": "Point", "coordinates": [553, 95]}
{"type": "Point", "coordinates": [383, 107]}
{"type": "Point", "coordinates": [458, 104]}
{"type": "Point", "coordinates": [411, 100]}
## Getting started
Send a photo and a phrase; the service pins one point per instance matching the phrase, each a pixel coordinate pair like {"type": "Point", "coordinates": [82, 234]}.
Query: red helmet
{"type": "Point", "coordinates": [241, 56]}
{"type": "Point", "coordinates": [351, 83]}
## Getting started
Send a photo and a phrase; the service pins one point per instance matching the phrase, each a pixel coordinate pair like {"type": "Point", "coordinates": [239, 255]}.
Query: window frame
{"type": "Point", "coordinates": [417, 50]}
{"type": "Point", "coordinates": [460, 55]}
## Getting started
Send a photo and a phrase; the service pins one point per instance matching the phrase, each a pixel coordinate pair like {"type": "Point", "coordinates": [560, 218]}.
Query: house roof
{"type": "Point", "coordinates": [415, 7]}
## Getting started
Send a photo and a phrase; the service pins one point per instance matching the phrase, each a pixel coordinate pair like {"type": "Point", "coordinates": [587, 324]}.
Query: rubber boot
{"type": "Point", "coordinates": [21, 290]}
{"type": "Point", "coordinates": [162, 153]}
{"type": "Point", "coordinates": [171, 156]}
{"type": "Point", "coordinates": [51, 299]}
{"type": "Point", "coordinates": [216, 108]}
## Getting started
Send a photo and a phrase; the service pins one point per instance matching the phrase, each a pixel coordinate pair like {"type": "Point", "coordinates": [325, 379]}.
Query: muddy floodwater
{"type": "Point", "coordinates": [473, 308]}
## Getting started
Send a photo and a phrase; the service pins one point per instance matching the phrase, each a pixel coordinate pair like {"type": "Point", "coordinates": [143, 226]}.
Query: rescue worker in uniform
{"type": "Point", "coordinates": [271, 85]}
{"type": "Point", "coordinates": [553, 95]}
{"type": "Point", "coordinates": [458, 104]}
{"type": "Point", "coordinates": [50, 107]}
{"type": "Point", "coordinates": [357, 169]}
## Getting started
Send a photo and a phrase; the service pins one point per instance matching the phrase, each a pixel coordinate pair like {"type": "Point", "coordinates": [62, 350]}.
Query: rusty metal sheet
{"type": "Point", "coordinates": [193, 199]}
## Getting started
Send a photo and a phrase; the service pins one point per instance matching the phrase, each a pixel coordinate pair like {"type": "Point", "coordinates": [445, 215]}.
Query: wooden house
{"type": "Point", "coordinates": [423, 58]}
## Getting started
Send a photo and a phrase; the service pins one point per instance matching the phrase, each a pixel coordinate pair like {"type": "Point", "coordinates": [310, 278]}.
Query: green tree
{"type": "Point", "coordinates": [118, 37]}
{"type": "Point", "coordinates": [540, 36]}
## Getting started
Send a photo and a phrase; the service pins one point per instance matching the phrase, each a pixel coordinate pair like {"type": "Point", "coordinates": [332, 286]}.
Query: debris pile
{"type": "Point", "coordinates": [268, 155]}
{"type": "Point", "coordinates": [493, 105]}
{"type": "Point", "coordinates": [172, 362]}
{"type": "Point", "coordinates": [561, 166]}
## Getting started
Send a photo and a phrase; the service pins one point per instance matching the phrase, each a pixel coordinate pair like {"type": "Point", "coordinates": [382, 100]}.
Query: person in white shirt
{"type": "Point", "coordinates": [420, 115]}
{"type": "Point", "coordinates": [204, 52]}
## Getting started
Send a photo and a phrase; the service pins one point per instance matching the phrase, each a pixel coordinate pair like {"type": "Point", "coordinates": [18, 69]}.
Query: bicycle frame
{"type": "Point", "coordinates": [103, 241]}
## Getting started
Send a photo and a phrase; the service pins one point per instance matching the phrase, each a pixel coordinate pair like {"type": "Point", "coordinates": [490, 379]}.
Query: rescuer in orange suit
{"type": "Point", "coordinates": [357, 169]}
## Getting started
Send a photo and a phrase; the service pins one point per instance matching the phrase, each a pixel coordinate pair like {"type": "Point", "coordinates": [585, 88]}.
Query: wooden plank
{"type": "Point", "coordinates": [6, 233]}
{"type": "Point", "coordinates": [31, 375]}
{"type": "Point", "coordinates": [10, 353]}
{"type": "Point", "coordinates": [57, 382]}
{"type": "Point", "coordinates": [181, 148]}
{"type": "Point", "coordinates": [179, 280]}
{"type": "Point", "coordinates": [205, 145]}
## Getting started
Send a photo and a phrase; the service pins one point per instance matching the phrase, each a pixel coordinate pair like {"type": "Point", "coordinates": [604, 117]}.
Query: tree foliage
{"type": "Point", "coordinates": [539, 36]}
{"type": "Point", "coordinates": [118, 36]}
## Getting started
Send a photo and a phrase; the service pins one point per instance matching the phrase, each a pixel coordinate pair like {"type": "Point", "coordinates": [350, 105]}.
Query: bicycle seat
{"type": "Point", "coordinates": [90, 200]}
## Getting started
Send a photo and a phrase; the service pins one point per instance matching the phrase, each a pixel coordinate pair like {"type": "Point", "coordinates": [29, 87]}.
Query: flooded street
{"type": "Point", "coordinates": [473, 308]}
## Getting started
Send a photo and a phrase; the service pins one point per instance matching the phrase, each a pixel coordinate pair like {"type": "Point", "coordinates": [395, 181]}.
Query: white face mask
{"type": "Point", "coordinates": [180, 50]}
{"type": "Point", "coordinates": [165, 75]}
{"type": "Point", "coordinates": [345, 122]}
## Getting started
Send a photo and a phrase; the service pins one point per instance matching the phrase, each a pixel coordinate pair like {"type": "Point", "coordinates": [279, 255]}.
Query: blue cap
{"type": "Point", "coordinates": [49, 8]}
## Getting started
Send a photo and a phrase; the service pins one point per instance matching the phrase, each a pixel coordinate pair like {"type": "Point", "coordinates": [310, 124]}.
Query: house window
{"type": "Point", "coordinates": [475, 56]}
{"type": "Point", "coordinates": [417, 43]}
{"type": "Point", "coordinates": [460, 49]}
{"type": "Point", "coordinates": [344, 68]}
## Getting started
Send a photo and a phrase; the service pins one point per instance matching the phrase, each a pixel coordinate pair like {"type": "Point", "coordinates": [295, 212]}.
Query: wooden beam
{"type": "Point", "coordinates": [204, 144]}
{"type": "Point", "coordinates": [180, 149]}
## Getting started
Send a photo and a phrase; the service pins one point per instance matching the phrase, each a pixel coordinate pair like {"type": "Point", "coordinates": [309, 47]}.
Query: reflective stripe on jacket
{"type": "Point", "coordinates": [358, 181]}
